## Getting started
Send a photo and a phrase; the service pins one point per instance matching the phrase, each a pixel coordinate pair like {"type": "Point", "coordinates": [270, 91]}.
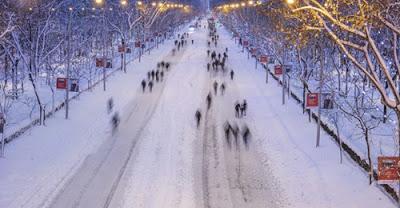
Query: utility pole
{"type": "Point", "coordinates": [321, 75]}
{"type": "Point", "coordinates": [68, 64]}
{"type": "Point", "coordinates": [104, 51]}
{"type": "Point", "coordinates": [283, 77]}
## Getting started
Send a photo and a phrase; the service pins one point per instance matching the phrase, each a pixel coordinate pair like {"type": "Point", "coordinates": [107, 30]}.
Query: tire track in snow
{"type": "Point", "coordinates": [148, 109]}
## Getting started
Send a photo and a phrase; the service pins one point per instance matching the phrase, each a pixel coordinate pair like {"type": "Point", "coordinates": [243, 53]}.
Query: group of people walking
{"type": "Point", "coordinates": [232, 130]}
{"type": "Point", "coordinates": [181, 41]}
{"type": "Point", "coordinates": [155, 76]}
{"type": "Point", "coordinates": [240, 109]}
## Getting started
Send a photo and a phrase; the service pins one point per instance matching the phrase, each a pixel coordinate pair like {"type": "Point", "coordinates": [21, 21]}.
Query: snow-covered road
{"type": "Point", "coordinates": [159, 158]}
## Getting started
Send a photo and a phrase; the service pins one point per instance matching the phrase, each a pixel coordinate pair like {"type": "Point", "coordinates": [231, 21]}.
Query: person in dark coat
{"type": "Point", "coordinates": [162, 75]}
{"type": "Point", "coordinates": [215, 85]}
{"type": "Point", "coordinates": [227, 131]}
{"type": "Point", "coordinates": [246, 136]}
{"type": "Point", "coordinates": [198, 117]}
{"type": "Point", "coordinates": [208, 66]}
{"type": "Point", "coordinates": [157, 75]}
{"type": "Point", "coordinates": [110, 105]}
{"type": "Point", "coordinates": [151, 86]}
{"type": "Point", "coordinates": [209, 100]}
{"type": "Point", "coordinates": [235, 131]}
{"type": "Point", "coordinates": [167, 65]}
{"type": "Point", "coordinates": [222, 88]}
{"type": "Point", "coordinates": [232, 74]}
{"type": "Point", "coordinates": [237, 110]}
{"type": "Point", "coordinates": [143, 85]}
{"type": "Point", "coordinates": [243, 108]}
{"type": "Point", "coordinates": [153, 74]}
{"type": "Point", "coordinates": [115, 122]}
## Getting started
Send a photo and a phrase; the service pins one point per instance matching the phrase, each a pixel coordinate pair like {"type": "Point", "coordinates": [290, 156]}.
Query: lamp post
{"type": "Point", "coordinates": [100, 3]}
{"type": "Point", "coordinates": [68, 63]}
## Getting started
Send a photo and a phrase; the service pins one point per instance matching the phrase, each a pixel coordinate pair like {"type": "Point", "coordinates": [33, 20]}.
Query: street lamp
{"type": "Point", "coordinates": [99, 2]}
{"type": "Point", "coordinates": [124, 2]}
{"type": "Point", "coordinates": [290, 2]}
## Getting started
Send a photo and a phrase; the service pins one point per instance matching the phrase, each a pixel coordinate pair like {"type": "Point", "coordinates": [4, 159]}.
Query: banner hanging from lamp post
{"type": "Point", "coordinates": [121, 48]}
{"type": "Point", "coordinates": [263, 59]}
{"type": "Point", "coordinates": [137, 44]}
{"type": "Point", "coordinates": [61, 83]}
{"type": "Point", "coordinates": [278, 70]}
{"type": "Point", "coordinates": [388, 169]}
{"type": "Point", "coordinates": [312, 100]}
{"type": "Point", "coordinates": [100, 62]}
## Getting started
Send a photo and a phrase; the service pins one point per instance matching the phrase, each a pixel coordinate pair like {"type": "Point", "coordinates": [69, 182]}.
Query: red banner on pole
{"type": "Point", "coordinates": [312, 100]}
{"type": "Point", "coordinates": [388, 169]}
{"type": "Point", "coordinates": [121, 48]}
{"type": "Point", "coordinates": [100, 62]}
{"type": "Point", "coordinates": [278, 70]}
{"type": "Point", "coordinates": [61, 83]}
{"type": "Point", "coordinates": [137, 44]}
{"type": "Point", "coordinates": [264, 59]}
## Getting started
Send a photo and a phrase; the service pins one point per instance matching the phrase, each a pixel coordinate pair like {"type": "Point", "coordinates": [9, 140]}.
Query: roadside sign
{"type": "Point", "coordinates": [312, 100]}
{"type": "Point", "coordinates": [74, 86]}
{"type": "Point", "coordinates": [278, 70]}
{"type": "Point", "coordinates": [121, 48]}
{"type": "Point", "coordinates": [388, 169]}
{"type": "Point", "coordinates": [327, 101]}
{"type": "Point", "coordinates": [99, 62]}
{"type": "Point", "coordinates": [108, 63]}
{"type": "Point", "coordinates": [61, 83]}
{"type": "Point", "coordinates": [263, 59]}
{"type": "Point", "coordinates": [137, 44]}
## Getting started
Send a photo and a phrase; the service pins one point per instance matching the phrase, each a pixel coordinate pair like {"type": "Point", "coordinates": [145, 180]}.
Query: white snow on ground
{"type": "Point", "coordinates": [309, 176]}
{"type": "Point", "coordinates": [40, 163]}
{"type": "Point", "coordinates": [158, 158]}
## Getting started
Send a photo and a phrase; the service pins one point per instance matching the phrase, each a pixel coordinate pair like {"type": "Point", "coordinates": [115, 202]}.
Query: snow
{"type": "Point", "coordinates": [159, 158]}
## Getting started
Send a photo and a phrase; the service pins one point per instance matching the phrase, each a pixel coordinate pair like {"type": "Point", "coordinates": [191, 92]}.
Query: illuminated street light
{"type": "Point", "coordinates": [251, 3]}
{"type": "Point", "coordinates": [154, 4]}
{"type": "Point", "coordinates": [124, 2]}
{"type": "Point", "coordinates": [98, 2]}
{"type": "Point", "coordinates": [290, 1]}
{"type": "Point", "coordinates": [139, 3]}
{"type": "Point", "coordinates": [243, 4]}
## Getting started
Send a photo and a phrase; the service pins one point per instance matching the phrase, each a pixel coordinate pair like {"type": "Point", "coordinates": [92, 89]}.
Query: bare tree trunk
{"type": "Point", "coordinates": [347, 81]}
{"type": "Point", "coordinates": [366, 132]}
{"type": "Point", "coordinates": [37, 97]}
